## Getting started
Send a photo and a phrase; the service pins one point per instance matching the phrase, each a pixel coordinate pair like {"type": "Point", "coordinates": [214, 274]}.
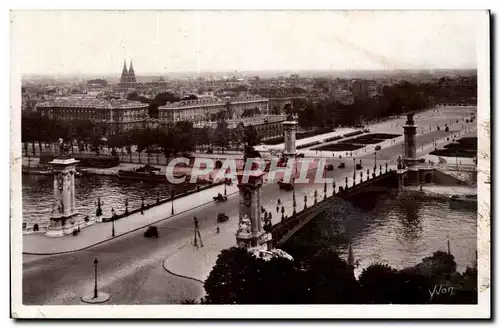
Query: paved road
{"type": "Point", "coordinates": [130, 267]}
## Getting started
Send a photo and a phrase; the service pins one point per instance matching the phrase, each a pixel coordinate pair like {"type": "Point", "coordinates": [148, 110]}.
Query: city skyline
{"type": "Point", "coordinates": [162, 42]}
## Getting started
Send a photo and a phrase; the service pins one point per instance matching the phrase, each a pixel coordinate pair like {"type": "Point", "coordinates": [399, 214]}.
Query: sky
{"type": "Point", "coordinates": [158, 42]}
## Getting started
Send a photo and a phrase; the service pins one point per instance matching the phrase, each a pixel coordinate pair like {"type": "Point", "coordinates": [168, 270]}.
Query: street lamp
{"type": "Point", "coordinates": [353, 171]}
{"type": "Point", "coordinates": [95, 277]}
{"type": "Point", "coordinates": [375, 165]}
{"type": "Point", "coordinates": [225, 191]}
{"type": "Point", "coordinates": [173, 195]}
{"type": "Point", "coordinates": [112, 222]}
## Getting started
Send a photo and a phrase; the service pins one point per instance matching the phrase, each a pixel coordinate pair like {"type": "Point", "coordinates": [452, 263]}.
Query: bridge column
{"type": "Point", "coordinates": [250, 231]}
{"type": "Point", "coordinates": [410, 150]}
{"type": "Point", "coordinates": [289, 130]}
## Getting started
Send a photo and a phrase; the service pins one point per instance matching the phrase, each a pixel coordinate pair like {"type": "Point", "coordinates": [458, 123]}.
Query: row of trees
{"type": "Point", "coordinates": [395, 100]}
{"type": "Point", "coordinates": [323, 278]}
{"type": "Point", "coordinates": [170, 139]}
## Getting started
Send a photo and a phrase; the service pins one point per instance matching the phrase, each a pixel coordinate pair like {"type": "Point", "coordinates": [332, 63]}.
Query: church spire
{"type": "Point", "coordinates": [124, 77]}
{"type": "Point", "coordinates": [131, 74]}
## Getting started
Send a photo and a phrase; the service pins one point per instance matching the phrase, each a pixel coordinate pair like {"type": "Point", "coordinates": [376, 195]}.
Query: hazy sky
{"type": "Point", "coordinates": [49, 42]}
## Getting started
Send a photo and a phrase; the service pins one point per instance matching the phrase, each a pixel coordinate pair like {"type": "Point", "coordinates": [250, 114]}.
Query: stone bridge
{"type": "Point", "coordinates": [285, 229]}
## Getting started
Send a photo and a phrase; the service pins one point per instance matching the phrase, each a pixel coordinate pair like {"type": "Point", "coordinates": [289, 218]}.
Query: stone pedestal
{"type": "Point", "coordinates": [289, 130]}
{"type": "Point", "coordinates": [410, 150]}
{"type": "Point", "coordinates": [250, 228]}
{"type": "Point", "coordinates": [64, 219]}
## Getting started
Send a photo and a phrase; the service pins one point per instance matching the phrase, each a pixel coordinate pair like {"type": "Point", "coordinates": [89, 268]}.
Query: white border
{"type": "Point", "coordinates": [302, 311]}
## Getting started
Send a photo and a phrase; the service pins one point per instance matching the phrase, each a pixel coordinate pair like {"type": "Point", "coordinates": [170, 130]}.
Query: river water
{"type": "Point", "coordinates": [398, 230]}
{"type": "Point", "coordinates": [37, 196]}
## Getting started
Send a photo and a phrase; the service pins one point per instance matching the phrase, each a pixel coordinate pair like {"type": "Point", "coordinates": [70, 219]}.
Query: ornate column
{"type": "Point", "coordinates": [410, 150]}
{"type": "Point", "coordinates": [250, 228]}
{"type": "Point", "coordinates": [64, 218]}
{"type": "Point", "coordinates": [289, 129]}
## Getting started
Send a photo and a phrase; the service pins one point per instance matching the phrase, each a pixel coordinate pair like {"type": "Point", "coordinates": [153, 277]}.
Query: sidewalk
{"type": "Point", "coordinates": [38, 243]}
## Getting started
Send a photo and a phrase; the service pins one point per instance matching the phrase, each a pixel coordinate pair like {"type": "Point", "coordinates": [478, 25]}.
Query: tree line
{"type": "Point", "coordinates": [394, 100]}
{"type": "Point", "coordinates": [169, 139]}
{"type": "Point", "coordinates": [239, 277]}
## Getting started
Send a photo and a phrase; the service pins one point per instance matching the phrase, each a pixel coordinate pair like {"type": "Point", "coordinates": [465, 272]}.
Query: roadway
{"type": "Point", "coordinates": [130, 267]}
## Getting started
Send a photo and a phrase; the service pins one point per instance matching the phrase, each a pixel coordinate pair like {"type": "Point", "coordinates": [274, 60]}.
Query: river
{"type": "Point", "coordinates": [398, 230]}
{"type": "Point", "coordinates": [37, 195]}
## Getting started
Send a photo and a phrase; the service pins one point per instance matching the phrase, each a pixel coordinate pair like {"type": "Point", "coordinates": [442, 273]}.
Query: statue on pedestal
{"type": "Point", "coordinates": [409, 119]}
{"type": "Point", "coordinates": [244, 227]}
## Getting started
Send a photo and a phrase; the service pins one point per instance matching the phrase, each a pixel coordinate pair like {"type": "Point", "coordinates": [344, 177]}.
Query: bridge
{"type": "Point", "coordinates": [284, 230]}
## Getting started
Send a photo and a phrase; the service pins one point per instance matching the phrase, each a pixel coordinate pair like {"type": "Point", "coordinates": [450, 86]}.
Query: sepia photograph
{"type": "Point", "coordinates": [184, 159]}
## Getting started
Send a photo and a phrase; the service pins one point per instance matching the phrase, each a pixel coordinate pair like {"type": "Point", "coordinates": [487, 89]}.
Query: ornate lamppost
{"type": "Point", "coordinates": [305, 201]}
{"type": "Point", "coordinates": [173, 195]}
{"type": "Point", "coordinates": [282, 213]}
{"type": "Point", "coordinates": [324, 191]}
{"type": "Point", "coordinates": [96, 262]}
{"type": "Point", "coordinates": [333, 185]}
{"type": "Point", "coordinates": [113, 222]}
{"type": "Point", "coordinates": [386, 166]}
{"type": "Point", "coordinates": [353, 172]}
{"type": "Point", "coordinates": [225, 190]}
{"type": "Point", "coordinates": [98, 212]}
{"type": "Point", "coordinates": [361, 174]}
{"type": "Point", "coordinates": [294, 203]}
{"type": "Point", "coordinates": [157, 197]}
{"type": "Point", "coordinates": [142, 205]}
{"type": "Point", "coordinates": [126, 205]}
{"type": "Point", "coordinates": [375, 165]}
{"type": "Point", "coordinates": [346, 182]}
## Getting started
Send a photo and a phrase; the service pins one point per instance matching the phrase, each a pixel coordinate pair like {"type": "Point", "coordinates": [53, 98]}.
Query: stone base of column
{"type": "Point", "coordinates": [64, 225]}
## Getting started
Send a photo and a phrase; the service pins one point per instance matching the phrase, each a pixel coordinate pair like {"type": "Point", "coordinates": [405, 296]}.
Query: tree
{"type": "Point", "coordinates": [251, 139]}
{"type": "Point", "coordinates": [221, 135]}
{"type": "Point", "coordinates": [378, 284]}
{"type": "Point", "coordinates": [240, 278]}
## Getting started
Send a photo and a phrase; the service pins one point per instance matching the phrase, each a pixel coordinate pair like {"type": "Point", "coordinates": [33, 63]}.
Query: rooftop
{"type": "Point", "coordinates": [90, 102]}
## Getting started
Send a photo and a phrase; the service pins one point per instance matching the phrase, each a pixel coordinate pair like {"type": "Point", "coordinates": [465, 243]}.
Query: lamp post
{"type": "Point", "coordinates": [315, 196]}
{"type": "Point", "coordinates": [225, 190]}
{"type": "Point", "coordinates": [157, 197]}
{"type": "Point", "coordinates": [386, 165]}
{"type": "Point", "coordinates": [282, 213]}
{"type": "Point", "coordinates": [173, 195]}
{"type": "Point", "coordinates": [305, 201]}
{"type": "Point", "coordinates": [126, 205]}
{"type": "Point", "coordinates": [333, 185]}
{"type": "Point", "coordinates": [294, 203]}
{"type": "Point", "coordinates": [95, 277]}
{"type": "Point", "coordinates": [324, 190]}
{"type": "Point", "coordinates": [353, 172]}
{"type": "Point", "coordinates": [375, 165]}
{"type": "Point", "coordinates": [112, 222]}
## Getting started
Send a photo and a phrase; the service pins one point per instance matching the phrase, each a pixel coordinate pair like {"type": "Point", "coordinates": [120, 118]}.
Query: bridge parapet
{"type": "Point", "coordinates": [285, 229]}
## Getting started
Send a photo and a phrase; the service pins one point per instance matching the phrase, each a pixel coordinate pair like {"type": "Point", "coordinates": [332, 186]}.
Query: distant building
{"type": "Point", "coordinates": [202, 109]}
{"type": "Point", "coordinates": [266, 126]}
{"type": "Point", "coordinates": [114, 115]}
{"type": "Point", "coordinates": [361, 89]}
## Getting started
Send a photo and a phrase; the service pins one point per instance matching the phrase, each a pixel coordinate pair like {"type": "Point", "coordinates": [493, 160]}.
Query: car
{"type": "Point", "coordinates": [221, 217]}
{"type": "Point", "coordinates": [329, 167]}
{"type": "Point", "coordinates": [341, 165]}
{"type": "Point", "coordinates": [152, 231]}
{"type": "Point", "coordinates": [378, 147]}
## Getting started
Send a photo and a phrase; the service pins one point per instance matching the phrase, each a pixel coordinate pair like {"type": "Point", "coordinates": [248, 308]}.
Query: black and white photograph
{"type": "Point", "coordinates": [182, 159]}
